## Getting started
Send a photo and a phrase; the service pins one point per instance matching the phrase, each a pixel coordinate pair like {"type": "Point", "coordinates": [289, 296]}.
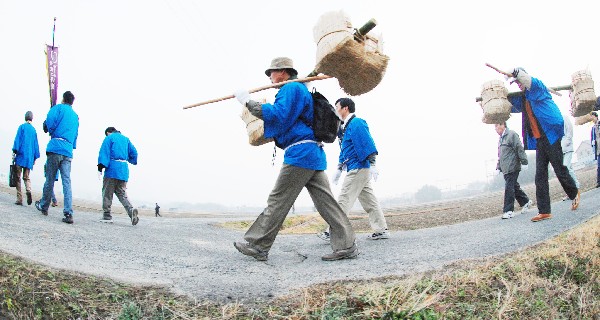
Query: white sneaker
{"type": "Point", "coordinates": [508, 215]}
{"type": "Point", "coordinates": [324, 236]}
{"type": "Point", "coordinates": [379, 235]}
{"type": "Point", "coordinates": [526, 206]}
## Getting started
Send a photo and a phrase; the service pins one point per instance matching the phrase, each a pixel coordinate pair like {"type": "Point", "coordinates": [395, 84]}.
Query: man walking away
{"type": "Point", "coordinates": [63, 126]}
{"type": "Point", "coordinates": [567, 148]}
{"type": "Point", "coordinates": [156, 211]}
{"type": "Point", "coordinates": [595, 137]}
{"type": "Point", "coordinates": [25, 151]}
{"type": "Point", "coordinates": [116, 151]}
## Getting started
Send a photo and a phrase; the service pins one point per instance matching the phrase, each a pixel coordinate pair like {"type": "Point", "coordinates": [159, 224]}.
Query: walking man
{"type": "Point", "coordinates": [543, 128]}
{"type": "Point", "coordinates": [288, 120]}
{"type": "Point", "coordinates": [156, 211]}
{"type": "Point", "coordinates": [25, 151]}
{"type": "Point", "coordinates": [116, 151]}
{"type": "Point", "coordinates": [357, 156]}
{"type": "Point", "coordinates": [63, 126]}
{"type": "Point", "coordinates": [511, 155]}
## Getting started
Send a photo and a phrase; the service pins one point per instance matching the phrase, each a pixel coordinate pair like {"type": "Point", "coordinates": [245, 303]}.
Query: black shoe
{"type": "Point", "coordinates": [134, 217]}
{"type": "Point", "coordinates": [107, 218]}
{"type": "Point", "coordinates": [39, 207]}
{"type": "Point", "coordinates": [250, 250]}
{"type": "Point", "coordinates": [29, 198]}
{"type": "Point", "coordinates": [19, 203]}
{"type": "Point", "coordinates": [68, 219]}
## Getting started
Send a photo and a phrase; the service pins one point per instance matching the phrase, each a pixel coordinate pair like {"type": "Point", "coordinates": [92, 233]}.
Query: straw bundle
{"type": "Point", "coordinates": [583, 97]}
{"type": "Point", "coordinates": [357, 63]}
{"type": "Point", "coordinates": [494, 102]}
{"type": "Point", "coordinates": [255, 128]}
{"type": "Point", "coordinates": [583, 119]}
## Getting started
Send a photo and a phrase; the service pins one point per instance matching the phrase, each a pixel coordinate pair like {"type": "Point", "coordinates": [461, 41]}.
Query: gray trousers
{"type": "Point", "coordinates": [289, 183]}
{"type": "Point", "coordinates": [112, 186]}
{"type": "Point", "coordinates": [357, 185]}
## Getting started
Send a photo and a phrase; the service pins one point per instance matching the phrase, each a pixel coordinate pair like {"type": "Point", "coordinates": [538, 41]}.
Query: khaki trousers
{"type": "Point", "coordinates": [112, 186]}
{"type": "Point", "coordinates": [22, 171]}
{"type": "Point", "coordinates": [357, 184]}
{"type": "Point", "coordinates": [289, 183]}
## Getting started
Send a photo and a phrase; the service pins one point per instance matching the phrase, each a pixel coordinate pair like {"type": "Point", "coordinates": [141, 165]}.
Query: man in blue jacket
{"type": "Point", "coordinates": [63, 126]}
{"type": "Point", "coordinates": [543, 128]}
{"type": "Point", "coordinates": [358, 156]}
{"type": "Point", "coordinates": [288, 121]}
{"type": "Point", "coordinates": [116, 151]}
{"type": "Point", "coordinates": [25, 151]}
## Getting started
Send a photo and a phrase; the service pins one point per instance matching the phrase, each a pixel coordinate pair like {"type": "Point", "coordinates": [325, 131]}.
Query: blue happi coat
{"type": "Point", "coordinates": [545, 111]}
{"type": "Point", "coordinates": [287, 121]}
{"type": "Point", "coordinates": [63, 127]}
{"type": "Point", "coordinates": [356, 145]}
{"type": "Point", "coordinates": [26, 146]}
{"type": "Point", "coordinates": [115, 152]}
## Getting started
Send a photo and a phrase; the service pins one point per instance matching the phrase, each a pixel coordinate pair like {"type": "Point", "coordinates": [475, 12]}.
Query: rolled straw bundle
{"type": "Point", "coordinates": [358, 65]}
{"type": "Point", "coordinates": [255, 128]}
{"type": "Point", "coordinates": [583, 119]}
{"type": "Point", "coordinates": [583, 97]}
{"type": "Point", "coordinates": [494, 102]}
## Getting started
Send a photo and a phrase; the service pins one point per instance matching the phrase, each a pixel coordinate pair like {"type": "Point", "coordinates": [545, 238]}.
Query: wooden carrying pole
{"type": "Point", "coordinates": [274, 85]}
{"type": "Point", "coordinates": [551, 89]}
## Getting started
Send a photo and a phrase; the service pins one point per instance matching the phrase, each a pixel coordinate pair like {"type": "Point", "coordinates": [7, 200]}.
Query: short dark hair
{"type": "Point", "coordinates": [68, 97]}
{"type": "Point", "coordinates": [346, 102]}
{"type": "Point", "coordinates": [28, 116]}
{"type": "Point", "coordinates": [109, 130]}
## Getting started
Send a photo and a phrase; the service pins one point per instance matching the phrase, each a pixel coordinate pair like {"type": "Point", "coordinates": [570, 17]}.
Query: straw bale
{"type": "Point", "coordinates": [583, 119]}
{"type": "Point", "coordinates": [255, 128]}
{"type": "Point", "coordinates": [583, 97]}
{"type": "Point", "coordinates": [494, 102]}
{"type": "Point", "coordinates": [359, 66]}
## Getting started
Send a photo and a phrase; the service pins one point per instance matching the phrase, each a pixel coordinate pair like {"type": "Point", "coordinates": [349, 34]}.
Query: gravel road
{"type": "Point", "coordinates": [193, 256]}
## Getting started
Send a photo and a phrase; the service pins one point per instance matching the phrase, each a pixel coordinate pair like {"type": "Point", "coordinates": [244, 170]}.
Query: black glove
{"type": "Point", "coordinates": [100, 167]}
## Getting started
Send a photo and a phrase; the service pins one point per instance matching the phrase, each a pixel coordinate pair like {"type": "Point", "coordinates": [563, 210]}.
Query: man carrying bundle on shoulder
{"type": "Point", "coordinates": [288, 121]}
{"type": "Point", "coordinates": [543, 128]}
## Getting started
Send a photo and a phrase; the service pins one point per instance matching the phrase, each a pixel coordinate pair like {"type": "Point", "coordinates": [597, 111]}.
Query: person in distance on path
{"type": "Point", "coordinates": [25, 151]}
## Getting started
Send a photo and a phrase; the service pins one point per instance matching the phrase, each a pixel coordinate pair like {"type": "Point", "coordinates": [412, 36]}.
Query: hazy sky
{"type": "Point", "coordinates": [134, 65]}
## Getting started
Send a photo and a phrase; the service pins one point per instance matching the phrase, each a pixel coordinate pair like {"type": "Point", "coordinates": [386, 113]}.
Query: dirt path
{"type": "Point", "coordinates": [195, 257]}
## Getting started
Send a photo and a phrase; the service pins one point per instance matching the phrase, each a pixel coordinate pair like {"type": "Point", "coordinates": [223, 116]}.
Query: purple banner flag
{"type": "Point", "coordinates": [52, 65]}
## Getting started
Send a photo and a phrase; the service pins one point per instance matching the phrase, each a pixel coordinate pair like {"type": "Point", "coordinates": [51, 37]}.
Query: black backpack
{"type": "Point", "coordinates": [326, 122]}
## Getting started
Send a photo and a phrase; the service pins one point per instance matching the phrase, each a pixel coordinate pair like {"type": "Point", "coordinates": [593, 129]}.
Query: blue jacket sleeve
{"type": "Point", "coordinates": [133, 155]}
{"type": "Point", "coordinates": [104, 154]}
{"type": "Point", "coordinates": [362, 139]}
{"type": "Point", "coordinates": [280, 116]}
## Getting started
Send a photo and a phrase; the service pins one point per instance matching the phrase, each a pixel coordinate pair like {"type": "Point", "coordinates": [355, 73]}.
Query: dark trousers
{"type": "Point", "coordinates": [547, 153]}
{"type": "Point", "coordinates": [598, 175]}
{"type": "Point", "coordinates": [512, 191]}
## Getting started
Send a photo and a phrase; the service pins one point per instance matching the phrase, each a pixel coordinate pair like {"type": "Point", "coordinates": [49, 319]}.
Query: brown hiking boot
{"type": "Point", "coordinates": [575, 203]}
{"type": "Point", "coordinates": [251, 251]}
{"type": "Point", "coordinates": [541, 216]}
{"type": "Point", "coordinates": [349, 253]}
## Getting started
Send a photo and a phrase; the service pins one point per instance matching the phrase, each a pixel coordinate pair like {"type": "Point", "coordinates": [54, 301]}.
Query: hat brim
{"type": "Point", "coordinates": [268, 71]}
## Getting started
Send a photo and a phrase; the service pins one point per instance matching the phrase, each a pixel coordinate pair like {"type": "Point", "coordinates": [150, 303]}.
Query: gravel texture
{"type": "Point", "coordinates": [193, 256]}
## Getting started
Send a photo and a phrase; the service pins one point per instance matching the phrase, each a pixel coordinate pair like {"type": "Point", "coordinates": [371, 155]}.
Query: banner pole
{"type": "Point", "coordinates": [53, 30]}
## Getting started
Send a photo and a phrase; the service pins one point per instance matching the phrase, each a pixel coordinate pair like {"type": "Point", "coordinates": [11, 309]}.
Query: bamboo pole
{"type": "Point", "coordinates": [274, 85]}
{"type": "Point", "coordinates": [518, 93]}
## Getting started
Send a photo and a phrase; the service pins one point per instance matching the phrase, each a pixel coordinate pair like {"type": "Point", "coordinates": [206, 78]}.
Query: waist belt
{"type": "Point", "coordinates": [303, 141]}
{"type": "Point", "coordinates": [119, 160]}
{"type": "Point", "coordinates": [60, 139]}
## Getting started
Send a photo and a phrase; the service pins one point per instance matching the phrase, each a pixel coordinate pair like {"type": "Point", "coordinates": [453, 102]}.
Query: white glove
{"type": "Point", "coordinates": [243, 96]}
{"type": "Point", "coordinates": [374, 173]}
{"type": "Point", "coordinates": [337, 176]}
{"type": "Point", "coordinates": [524, 167]}
{"type": "Point", "coordinates": [14, 155]}
{"type": "Point", "coordinates": [99, 175]}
